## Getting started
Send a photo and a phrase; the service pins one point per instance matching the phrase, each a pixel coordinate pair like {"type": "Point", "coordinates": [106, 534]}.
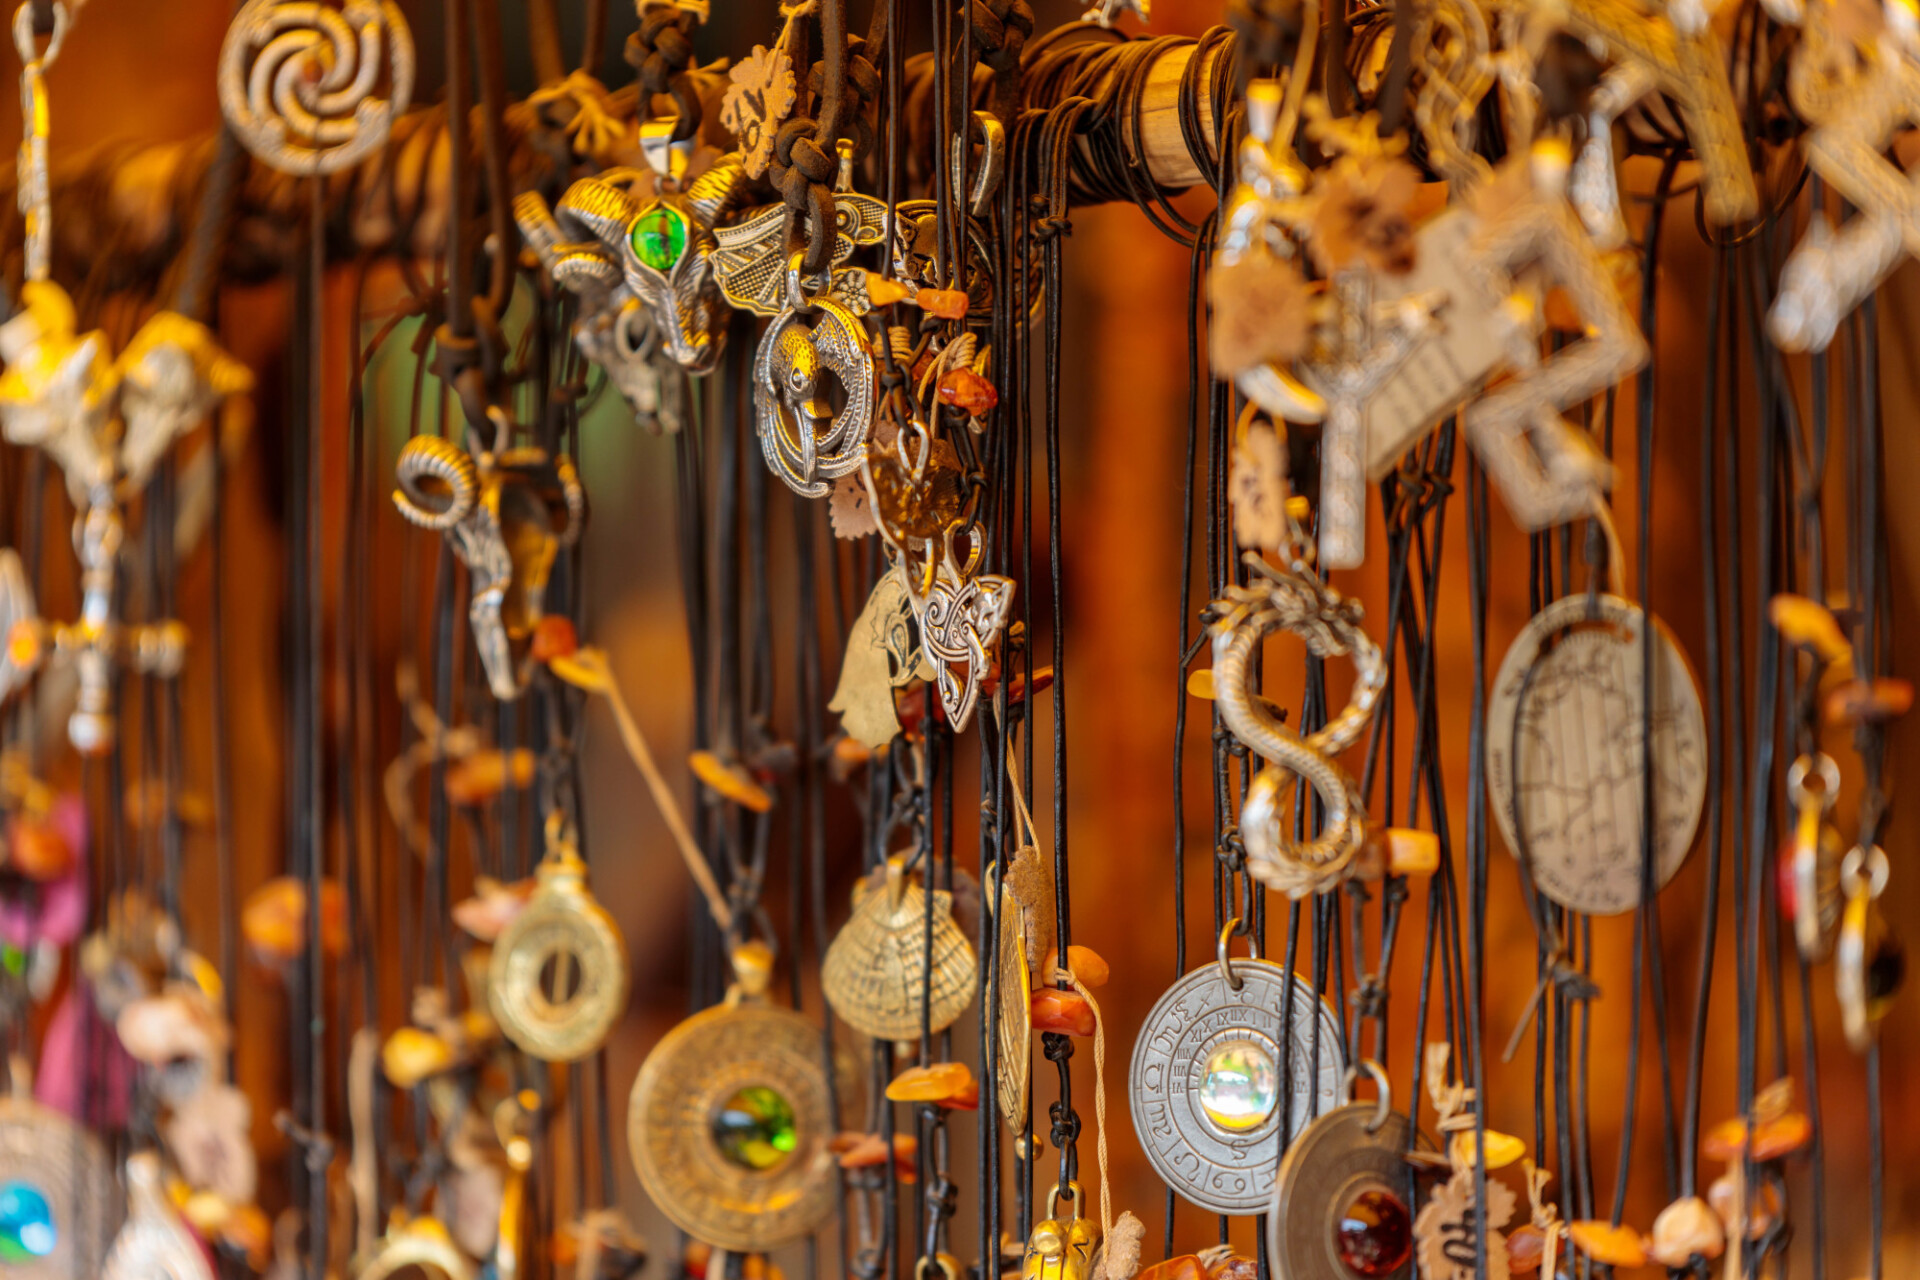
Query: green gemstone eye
{"type": "Point", "coordinates": [660, 236]}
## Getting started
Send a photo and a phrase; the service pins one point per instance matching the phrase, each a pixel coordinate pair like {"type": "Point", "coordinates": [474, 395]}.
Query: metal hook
{"type": "Point", "coordinates": [1220, 953]}
{"type": "Point", "coordinates": [1384, 1108]}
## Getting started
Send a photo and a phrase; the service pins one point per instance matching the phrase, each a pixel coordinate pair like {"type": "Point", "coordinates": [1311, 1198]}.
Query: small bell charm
{"type": "Point", "coordinates": [1061, 1248]}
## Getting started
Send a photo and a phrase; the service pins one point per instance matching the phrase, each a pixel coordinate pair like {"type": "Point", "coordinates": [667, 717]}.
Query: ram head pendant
{"type": "Point", "coordinates": [659, 248]}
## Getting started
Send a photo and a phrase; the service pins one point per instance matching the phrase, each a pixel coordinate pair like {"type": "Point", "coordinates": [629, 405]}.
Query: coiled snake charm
{"type": "Point", "coordinates": [1330, 624]}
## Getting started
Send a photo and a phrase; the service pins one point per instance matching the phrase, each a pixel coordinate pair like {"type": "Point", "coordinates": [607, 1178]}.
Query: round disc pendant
{"type": "Point", "coordinates": [1565, 750]}
{"type": "Point", "coordinates": [1217, 1071]}
{"type": "Point", "coordinates": [60, 1205]}
{"type": "Point", "coordinates": [557, 981]}
{"type": "Point", "coordinates": [1339, 1209]}
{"type": "Point", "coordinates": [813, 397]}
{"type": "Point", "coordinates": [728, 1124]}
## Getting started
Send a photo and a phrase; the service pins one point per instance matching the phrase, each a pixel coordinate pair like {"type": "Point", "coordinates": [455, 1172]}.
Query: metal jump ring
{"type": "Point", "coordinates": [1385, 1107]}
{"type": "Point", "coordinates": [1874, 860]}
{"type": "Point", "coordinates": [1822, 766]}
{"type": "Point", "coordinates": [1220, 953]}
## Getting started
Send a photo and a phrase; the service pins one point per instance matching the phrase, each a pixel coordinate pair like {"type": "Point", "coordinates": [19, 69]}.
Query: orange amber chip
{"type": "Point", "coordinates": [1087, 965]}
{"type": "Point", "coordinates": [968, 390]}
{"type": "Point", "coordinates": [23, 644]}
{"type": "Point", "coordinates": [948, 304]}
{"type": "Point", "coordinates": [1610, 1245]}
{"type": "Point", "coordinates": [1185, 1267]}
{"type": "Point", "coordinates": [37, 851]}
{"type": "Point", "coordinates": [478, 778]}
{"type": "Point", "coordinates": [933, 1083]}
{"type": "Point", "coordinates": [1063, 1011]}
{"type": "Point", "coordinates": [1810, 624]}
{"type": "Point", "coordinates": [1872, 701]}
{"type": "Point", "coordinates": [730, 781]}
{"type": "Point", "coordinates": [554, 637]}
{"type": "Point", "coordinates": [1526, 1248]}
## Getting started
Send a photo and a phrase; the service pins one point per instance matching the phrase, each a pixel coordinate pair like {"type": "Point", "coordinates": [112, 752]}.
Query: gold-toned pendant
{"type": "Point", "coordinates": [64, 1203]}
{"type": "Point", "coordinates": [1013, 1065]}
{"type": "Point", "coordinates": [1061, 1248]}
{"type": "Point", "coordinates": [729, 1122]}
{"type": "Point", "coordinates": [418, 1247]}
{"type": "Point", "coordinates": [1814, 855]}
{"type": "Point", "coordinates": [154, 1243]}
{"type": "Point", "coordinates": [564, 1015]}
{"type": "Point", "coordinates": [1868, 963]}
{"type": "Point", "coordinates": [876, 968]}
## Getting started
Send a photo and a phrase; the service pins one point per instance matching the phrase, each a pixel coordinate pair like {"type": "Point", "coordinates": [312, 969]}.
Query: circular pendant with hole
{"type": "Point", "coordinates": [1233, 1054]}
{"type": "Point", "coordinates": [557, 981]}
{"type": "Point", "coordinates": [59, 1204]}
{"type": "Point", "coordinates": [1566, 728]}
{"type": "Point", "coordinates": [1339, 1209]}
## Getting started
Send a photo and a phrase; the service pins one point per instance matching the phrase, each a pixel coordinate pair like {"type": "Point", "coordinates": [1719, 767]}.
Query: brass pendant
{"type": "Point", "coordinates": [155, 1243]}
{"type": "Point", "coordinates": [877, 965]}
{"type": "Point", "coordinates": [563, 927]}
{"type": "Point", "coordinates": [1565, 748]}
{"type": "Point", "coordinates": [1061, 1248]}
{"type": "Point", "coordinates": [418, 1247]}
{"type": "Point", "coordinates": [66, 1204]}
{"type": "Point", "coordinates": [1220, 1068]}
{"type": "Point", "coordinates": [1868, 963]}
{"type": "Point", "coordinates": [729, 1124]}
{"type": "Point", "coordinates": [1026, 924]}
{"type": "Point", "coordinates": [1339, 1207]}
{"type": "Point", "coordinates": [1814, 856]}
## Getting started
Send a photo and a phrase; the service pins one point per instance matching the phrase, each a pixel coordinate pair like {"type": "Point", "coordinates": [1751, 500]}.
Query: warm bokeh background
{"type": "Point", "coordinates": [139, 71]}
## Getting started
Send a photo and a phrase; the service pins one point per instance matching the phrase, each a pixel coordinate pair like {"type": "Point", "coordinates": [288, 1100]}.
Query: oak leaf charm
{"type": "Point", "coordinates": [756, 102]}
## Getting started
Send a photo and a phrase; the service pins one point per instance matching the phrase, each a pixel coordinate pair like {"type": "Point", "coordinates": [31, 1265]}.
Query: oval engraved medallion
{"type": "Point", "coordinates": [1219, 1076]}
{"type": "Point", "coordinates": [1565, 774]}
{"type": "Point", "coordinates": [557, 981]}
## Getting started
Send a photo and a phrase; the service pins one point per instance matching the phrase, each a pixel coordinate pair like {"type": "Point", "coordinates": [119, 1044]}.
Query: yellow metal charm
{"type": "Point", "coordinates": [1061, 1248]}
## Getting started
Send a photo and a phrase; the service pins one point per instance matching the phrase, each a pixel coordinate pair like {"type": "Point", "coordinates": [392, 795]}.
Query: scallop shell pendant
{"type": "Point", "coordinates": [59, 1204]}
{"type": "Point", "coordinates": [876, 966]}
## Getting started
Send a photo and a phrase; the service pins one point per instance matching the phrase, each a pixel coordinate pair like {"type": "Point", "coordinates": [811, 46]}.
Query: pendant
{"type": "Point", "coordinates": [1296, 600]}
{"type": "Point", "coordinates": [875, 970]}
{"type": "Point", "coordinates": [752, 269]}
{"type": "Point", "coordinates": [508, 513]}
{"type": "Point", "coordinates": [561, 927]}
{"type": "Point", "coordinates": [1339, 1207]}
{"type": "Point", "coordinates": [154, 1243]}
{"type": "Point", "coordinates": [960, 622]}
{"type": "Point", "coordinates": [1061, 1248]}
{"type": "Point", "coordinates": [59, 1203]}
{"type": "Point", "coordinates": [813, 391]}
{"type": "Point", "coordinates": [728, 1121]}
{"type": "Point", "coordinates": [1868, 964]}
{"type": "Point", "coordinates": [1813, 859]}
{"type": "Point", "coordinates": [1565, 751]}
{"type": "Point", "coordinates": [1023, 929]}
{"type": "Point", "coordinates": [417, 1247]}
{"type": "Point", "coordinates": [1233, 1056]}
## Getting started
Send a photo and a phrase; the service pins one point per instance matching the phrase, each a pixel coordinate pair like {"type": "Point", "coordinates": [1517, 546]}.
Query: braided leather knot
{"type": "Point", "coordinates": [1371, 998]}
{"type": "Point", "coordinates": [1045, 229]}
{"type": "Point", "coordinates": [1000, 31]}
{"type": "Point", "coordinates": [662, 48]}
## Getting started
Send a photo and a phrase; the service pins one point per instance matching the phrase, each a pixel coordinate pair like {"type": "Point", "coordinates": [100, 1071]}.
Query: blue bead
{"type": "Point", "coordinates": [26, 1223]}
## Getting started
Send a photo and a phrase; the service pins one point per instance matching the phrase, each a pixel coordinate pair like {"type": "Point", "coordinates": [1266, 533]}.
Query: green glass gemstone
{"type": "Point", "coordinates": [660, 236]}
{"type": "Point", "coordinates": [1241, 1087]}
{"type": "Point", "coordinates": [26, 1223]}
{"type": "Point", "coordinates": [755, 1129]}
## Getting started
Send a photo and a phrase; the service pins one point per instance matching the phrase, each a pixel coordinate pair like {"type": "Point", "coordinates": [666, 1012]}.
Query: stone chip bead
{"type": "Point", "coordinates": [1686, 1228]}
{"type": "Point", "coordinates": [945, 1083]}
{"type": "Point", "coordinates": [1066, 1012]}
{"type": "Point", "coordinates": [948, 304]}
{"type": "Point", "coordinates": [1087, 966]}
{"type": "Point", "coordinates": [967, 390]}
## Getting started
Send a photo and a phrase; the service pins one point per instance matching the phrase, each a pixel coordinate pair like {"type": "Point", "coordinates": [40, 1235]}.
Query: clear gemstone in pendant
{"type": "Point", "coordinates": [755, 1129]}
{"type": "Point", "coordinates": [26, 1223]}
{"type": "Point", "coordinates": [1241, 1086]}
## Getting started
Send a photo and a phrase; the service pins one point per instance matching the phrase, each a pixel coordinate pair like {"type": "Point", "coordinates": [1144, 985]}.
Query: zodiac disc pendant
{"type": "Point", "coordinates": [813, 396]}
{"type": "Point", "coordinates": [1339, 1209]}
{"type": "Point", "coordinates": [562, 927]}
{"type": "Point", "coordinates": [728, 1125]}
{"type": "Point", "coordinates": [1215, 1062]}
{"type": "Point", "coordinates": [59, 1203]}
{"type": "Point", "coordinates": [1564, 753]}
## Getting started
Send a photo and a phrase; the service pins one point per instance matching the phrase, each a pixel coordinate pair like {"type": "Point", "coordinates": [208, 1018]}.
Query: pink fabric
{"type": "Point", "coordinates": [77, 1045]}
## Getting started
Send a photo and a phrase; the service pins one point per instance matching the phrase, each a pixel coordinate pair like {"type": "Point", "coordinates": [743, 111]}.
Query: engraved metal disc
{"type": "Point", "coordinates": [1228, 1167]}
{"type": "Point", "coordinates": [684, 1086]}
{"type": "Point", "coordinates": [1326, 1168]}
{"type": "Point", "coordinates": [1566, 775]}
{"type": "Point", "coordinates": [564, 927]}
{"type": "Point", "coordinates": [57, 1161]}
{"type": "Point", "coordinates": [1013, 1018]}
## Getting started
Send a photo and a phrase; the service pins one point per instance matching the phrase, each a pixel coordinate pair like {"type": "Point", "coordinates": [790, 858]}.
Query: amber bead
{"type": "Point", "coordinates": [478, 778]}
{"type": "Point", "coordinates": [1869, 701]}
{"type": "Point", "coordinates": [1064, 1011]}
{"type": "Point", "coordinates": [554, 637]}
{"type": "Point", "coordinates": [948, 304]}
{"type": "Point", "coordinates": [730, 781]}
{"type": "Point", "coordinates": [1610, 1245]}
{"type": "Point", "coordinates": [274, 919]}
{"type": "Point", "coordinates": [412, 1055]}
{"type": "Point", "coordinates": [931, 1083]}
{"type": "Point", "coordinates": [1809, 625]}
{"type": "Point", "coordinates": [1087, 966]}
{"type": "Point", "coordinates": [1526, 1249]}
{"type": "Point", "coordinates": [882, 292]}
{"type": "Point", "coordinates": [1184, 1267]}
{"type": "Point", "coordinates": [37, 851]}
{"type": "Point", "coordinates": [968, 390]}
{"type": "Point", "coordinates": [1234, 1267]}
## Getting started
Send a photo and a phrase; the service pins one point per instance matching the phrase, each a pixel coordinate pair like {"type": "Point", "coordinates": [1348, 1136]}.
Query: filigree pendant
{"type": "Point", "coordinates": [565, 929]}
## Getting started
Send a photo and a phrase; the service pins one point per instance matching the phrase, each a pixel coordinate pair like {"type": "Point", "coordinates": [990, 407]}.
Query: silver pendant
{"type": "Point", "coordinates": [813, 391]}
{"type": "Point", "coordinates": [960, 622]}
{"type": "Point", "coordinates": [1230, 1055]}
{"type": "Point", "coordinates": [1340, 1206]}
{"type": "Point", "coordinates": [751, 265]}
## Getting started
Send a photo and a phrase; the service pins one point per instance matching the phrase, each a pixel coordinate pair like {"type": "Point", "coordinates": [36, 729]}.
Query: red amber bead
{"type": "Point", "coordinates": [968, 390]}
{"type": "Point", "coordinates": [1374, 1236]}
{"type": "Point", "coordinates": [1068, 1011]}
{"type": "Point", "coordinates": [554, 637]}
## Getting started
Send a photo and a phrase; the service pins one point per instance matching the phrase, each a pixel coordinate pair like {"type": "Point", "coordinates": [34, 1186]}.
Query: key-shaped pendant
{"type": "Point", "coordinates": [1690, 68]}
{"type": "Point", "coordinates": [1367, 346]}
{"type": "Point", "coordinates": [107, 424]}
{"type": "Point", "coordinates": [1856, 116]}
{"type": "Point", "coordinates": [1546, 469]}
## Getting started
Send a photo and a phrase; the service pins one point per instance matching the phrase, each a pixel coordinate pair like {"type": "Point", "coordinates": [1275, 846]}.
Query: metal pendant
{"type": "Point", "coordinates": [1868, 964]}
{"type": "Point", "coordinates": [508, 515]}
{"type": "Point", "coordinates": [564, 927]}
{"type": "Point", "coordinates": [1062, 1248]}
{"type": "Point", "coordinates": [155, 1243]}
{"type": "Point", "coordinates": [1025, 925]}
{"type": "Point", "coordinates": [751, 264]}
{"type": "Point", "coordinates": [1232, 1056]}
{"type": "Point", "coordinates": [728, 1123]}
{"type": "Point", "coordinates": [875, 970]}
{"type": "Point", "coordinates": [813, 392]}
{"type": "Point", "coordinates": [418, 1247]}
{"type": "Point", "coordinates": [64, 1206]}
{"type": "Point", "coordinates": [960, 622]}
{"type": "Point", "coordinates": [1565, 746]}
{"type": "Point", "coordinates": [1814, 856]}
{"type": "Point", "coordinates": [1339, 1208]}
